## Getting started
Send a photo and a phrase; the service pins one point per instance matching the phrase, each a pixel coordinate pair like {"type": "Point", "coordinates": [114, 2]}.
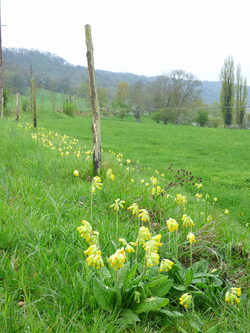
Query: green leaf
{"type": "Point", "coordinates": [180, 288]}
{"type": "Point", "coordinates": [103, 295]}
{"type": "Point", "coordinates": [151, 304]}
{"type": "Point", "coordinates": [172, 314]}
{"type": "Point", "coordinates": [162, 287]}
{"type": "Point", "coordinates": [200, 266]}
{"type": "Point", "coordinates": [189, 277]}
{"type": "Point", "coordinates": [128, 317]}
{"type": "Point", "coordinates": [196, 322]}
{"type": "Point", "coordinates": [214, 329]}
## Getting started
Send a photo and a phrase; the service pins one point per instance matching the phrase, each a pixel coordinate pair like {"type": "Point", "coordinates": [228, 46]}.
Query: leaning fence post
{"type": "Point", "coordinates": [96, 125]}
{"type": "Point", "coordinates": [17, 106]}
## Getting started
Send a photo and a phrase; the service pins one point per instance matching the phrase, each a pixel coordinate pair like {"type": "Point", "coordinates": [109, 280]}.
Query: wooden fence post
{"type": "Point", "coordinates": [17, 106]}
{"type": "Point", "coordinates": [33, 98]}
{"type": "Point", "coordinates": [96, 124]}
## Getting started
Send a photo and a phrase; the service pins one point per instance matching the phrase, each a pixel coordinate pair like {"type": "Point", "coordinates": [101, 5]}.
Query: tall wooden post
{"type": "Point", "coordinates": [1, 69]}
{"type": "Point", "coordinates": [17, 106]}
{"type": "Point", "coordinates": [96, 124]}
{"type": "Point", "coordinates": [33, 97]}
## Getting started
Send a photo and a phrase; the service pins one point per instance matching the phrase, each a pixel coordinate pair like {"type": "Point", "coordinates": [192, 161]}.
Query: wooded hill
{"type": "Point", "coordinates": [55, 73]}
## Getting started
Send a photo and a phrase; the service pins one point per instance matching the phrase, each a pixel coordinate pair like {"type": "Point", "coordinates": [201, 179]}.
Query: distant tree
{"type": "Point", "coordinates": [136, 100]}
{"type": "Point", "coordinates": [121, 93]}
{"type": "Point", "coordinates": [240, 97]}
{"type": "Point", "coordinates": [227, 91]}
{"type": "Point", "coordinates": [164, 115]}
{"type": "Point", "coordinates": [103, 99]}
{"type": "Point", "coordinates": [119, 108]}
{"type": "Point", "coordinates": [176, 90]}
{"type": "Point", "coordinates": [202, 117]}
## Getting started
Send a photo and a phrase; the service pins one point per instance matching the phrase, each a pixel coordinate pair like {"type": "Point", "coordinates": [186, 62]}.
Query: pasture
{"type": "Point", "coordinates": [45, 283]}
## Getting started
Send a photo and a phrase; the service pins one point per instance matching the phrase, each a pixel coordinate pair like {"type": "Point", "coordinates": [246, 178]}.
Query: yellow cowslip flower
{"type": "Point", "coordinates": [96, 184]}
{"type": "Point", "coordinates": [186, 300]}
{"type": "Point", "coordinates": [142, 181]}
{"type": "Point", "coordinates": [133, 243]}
{"type": "Point", "coordinates": [93, 249]}
{"type": "Point", "coordinates": [134, 209]}
{"type": "Point", "coordinates": [162, 175]}
{"type": "Point", "coordinates": [76, 173]}
{"type": "Point", "coordinates": [226, 211]}
{"type": "Point", "coordinates": [153, 244]}
{"type": "Point", "coordinates": [117, 260]}
{"type": "Point", "coordinates": [198, 196]}
{"type": "Point", "coordinates": [157, 191]}
{"type": "Point", "coordinates": [95, 260]}
{"type": "Point", "coordinates": [198, 185]}
{"type": "Point", "coordinates": [152, 259]}
{"type": "Point", "coordinates": [94, 239]}
{"type": "Point", "coordinates": [191, 238]}
{"type": "Point", "coordinates": [180, 200]}
{"type": "Point", "coordinates": [232, 295]}
{"type": "Point", "coordinates": [215, 199]}
{"type": "Point", "coordinates": [187, 221]}
{"type": "Point", "coordinates": [143, 235]}
{"type": "Point", "coordinates": [110, 174]}
{"type": "Point", "coordinates": [128, 161]}
{"type": "Point", "coordinates": [144, 215]}
{"type": "Point", "coordinates": [117, 205]}
{"type": "Point", "coordinates": [172, 225]}
{"type": "Point", "coordinates": [154, 180]}
{"type": "Point", "coordinates": [123, 241]}
{"type": "Point", "coordinates": [166, 265]}
{"type": "Point", "coordinates": [132, 180]}
{"type": "Point", "coordinates": [129, 248]}
{"type": "Point", "coordinates": [85, 230]}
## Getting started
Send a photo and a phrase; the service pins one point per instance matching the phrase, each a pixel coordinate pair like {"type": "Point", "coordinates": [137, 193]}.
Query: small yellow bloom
{"type": "Point", "coordinates": [152, 259]}
{"type": "Point", "coordinates": [226, 211]}
{"type": "Point", "coordinates": [95, 260]}
{"type": "Point", "coordinates": [128, 161]}
{"type": "Point", "coordinates": [198, 185]}
{"type": "Point", "coordinates": [157, 191]}
{"type": "Point", "coordinates": [186, 300]}
{"type": "Point", "coordinates": [191, 238]}
{"type": "Point", "coordinates": [110, 174]}
{"type": "Point", "coordinates": [166, 265]}
{"type": "Point", "coordinates": [132, 180]}
{"type": "Point", "coordinates": [153, 244]}
{"type": "Point", "coordinates": [118, 259]}
{"type": "Point", "coordinates": [129, 248]}
{"type": "Point", "coordinates": [232, 295]}
{"type": "Point", "coordinates": [144, 215]}
{"type": "Point", "coordinates": [187, 221]}
{"type": "Point", "coordinates": [215, 199]}
{"type": "Point", "coordinates": [180, 200]}
{"type": "Point", "coordinates": [85, 230]}
{"type": "Point", "coordinates": [154, 180]}
{"type": "Point", "coordinates": [96, 184]}
{"type": "Point", "coordinates": [172, 225]}
{"type": "Point", "coordinates": [142, 181]}
{"type": "Point", "coordinates": [198, 196]}
{"type": "Point", "coordinates": [143, 235]}
{"type": "Point", "coordinates": [76, 173]}
{"type": "Point", "coordinates": [134, 209]}
{"type": "Point", "coordinates": [117, 205]}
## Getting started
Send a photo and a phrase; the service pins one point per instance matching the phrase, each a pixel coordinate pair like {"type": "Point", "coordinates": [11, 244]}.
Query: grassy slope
{"type": "Point", "coordinates": [41, 254]}
{"type": "Point", "coordinates": [220, 156]}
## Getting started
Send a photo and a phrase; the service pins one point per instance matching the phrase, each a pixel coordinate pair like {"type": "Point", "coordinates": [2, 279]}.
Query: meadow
{"type": "Point", "coordinates": [45, 282]}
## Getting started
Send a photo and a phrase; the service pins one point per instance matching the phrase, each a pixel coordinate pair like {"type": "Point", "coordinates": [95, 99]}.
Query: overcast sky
{"type": "Point", "coordinates": [146, 37]}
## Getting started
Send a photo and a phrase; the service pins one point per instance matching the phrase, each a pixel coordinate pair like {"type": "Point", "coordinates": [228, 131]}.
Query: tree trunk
{"type": "Point", "coordinates": [96, 124]}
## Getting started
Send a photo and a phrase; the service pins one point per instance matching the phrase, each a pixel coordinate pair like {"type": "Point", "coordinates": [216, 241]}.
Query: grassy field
{"type": "Point", "coordinates": [45, 284]}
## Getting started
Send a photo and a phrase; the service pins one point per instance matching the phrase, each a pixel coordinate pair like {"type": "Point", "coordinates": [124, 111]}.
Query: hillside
{"type": "Point", "coordinates": [56, 72]}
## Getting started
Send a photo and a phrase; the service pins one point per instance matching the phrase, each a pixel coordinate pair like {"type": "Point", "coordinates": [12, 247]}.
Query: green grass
{"type": "Point", "coordinates": [41, 204]}
{"type": "Point", "coordinates": [221, 157]}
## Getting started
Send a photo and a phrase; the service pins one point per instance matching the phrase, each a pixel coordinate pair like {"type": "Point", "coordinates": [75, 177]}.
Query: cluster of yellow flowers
{"type": "Point", "coordinates": [186, 300]}
{"type": "Point", "coordinates": [117, 205]}
{"type": "Point", "coordinates": [62, 144]}
{"type": "Point", "coordinates": [232, 295]}
{"type": "Point", "coordinates": [96, 184]}
{"type": "Point", "coordinates": [93, 252]}
{"type": "Point", "coordinates": [180, 200]}
{"type": "Point", "coordinates": [110, 174]}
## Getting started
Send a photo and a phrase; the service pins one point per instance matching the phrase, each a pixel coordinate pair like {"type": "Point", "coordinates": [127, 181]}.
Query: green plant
{"type": "Point", "coordinates": [69, 108]}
